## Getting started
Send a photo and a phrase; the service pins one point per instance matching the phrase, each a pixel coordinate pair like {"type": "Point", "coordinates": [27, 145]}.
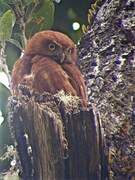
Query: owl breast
{"type": "Point", "coordinates": [49, 76]}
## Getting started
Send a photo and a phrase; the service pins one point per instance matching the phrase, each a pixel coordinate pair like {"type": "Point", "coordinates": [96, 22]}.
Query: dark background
{"type": "Point", "coordinates": [69, 11]}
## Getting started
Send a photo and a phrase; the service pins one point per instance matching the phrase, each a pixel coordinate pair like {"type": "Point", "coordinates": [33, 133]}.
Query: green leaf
{"type": "Point", "coordinates": [5, 136]}
{"type": "Point", "coordinates": [5, 1]}
{"type": "Point", "coordinates": [7, 22]}
{"type": "Point", "coordinates": [4, 94]}
{"type": "Point", "coordinates": [42, 18]}
{"type": "Point", "coordinates": [3, 7]}
{"type": "Point", "coordinates": [12, 54]}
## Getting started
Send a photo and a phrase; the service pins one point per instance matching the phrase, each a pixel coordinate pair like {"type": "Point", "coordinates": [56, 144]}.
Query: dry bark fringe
{"type": "Point", "coordinates": [107, 59]}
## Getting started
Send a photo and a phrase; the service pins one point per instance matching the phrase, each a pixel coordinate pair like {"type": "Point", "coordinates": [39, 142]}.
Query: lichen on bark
{"type": "Point", "coordinates": [107, 59]}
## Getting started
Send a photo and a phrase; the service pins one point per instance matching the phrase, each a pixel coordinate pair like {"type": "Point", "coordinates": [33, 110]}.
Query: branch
{"type": "Point", "coordinates": [3, 64]}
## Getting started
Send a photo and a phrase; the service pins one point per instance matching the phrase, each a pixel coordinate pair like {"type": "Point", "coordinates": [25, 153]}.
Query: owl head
{"type": "Point", "coordinates": [55, 45]}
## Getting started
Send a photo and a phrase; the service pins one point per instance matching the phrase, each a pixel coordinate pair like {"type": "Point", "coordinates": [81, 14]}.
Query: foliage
{"type": "Point", "coordinates": [41, 18]}
{"type": "Point", "coordinates": [7, 22]}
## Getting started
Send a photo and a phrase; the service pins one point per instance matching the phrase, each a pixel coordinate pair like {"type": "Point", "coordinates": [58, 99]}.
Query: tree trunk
{"type": "Point", "coordinates": [107, 59]}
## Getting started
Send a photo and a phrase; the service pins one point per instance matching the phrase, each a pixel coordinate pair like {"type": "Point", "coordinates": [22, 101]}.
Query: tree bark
{"type": "Point", "coordinates": [56, 142]}
{"type": "Point", "coordinates": [107, 59]}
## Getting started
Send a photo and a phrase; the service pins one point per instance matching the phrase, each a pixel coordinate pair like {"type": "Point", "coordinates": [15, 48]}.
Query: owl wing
{"type": "Point", "coordinates": [77, 81]}
{"type": "Point", "coordinates": [21, 67]}
{"type": "Point", "coordinates": [50, 77]}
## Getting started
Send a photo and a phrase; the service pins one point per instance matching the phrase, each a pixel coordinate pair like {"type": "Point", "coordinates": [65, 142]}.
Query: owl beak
{"type": "Point", "coordinates": [63, 57]}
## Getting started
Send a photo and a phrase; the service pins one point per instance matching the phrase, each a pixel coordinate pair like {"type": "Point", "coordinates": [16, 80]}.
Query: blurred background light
{"type": "Point", "coordinates": [1, 118]}
{"type": "Point", "coordinates": [57, 1]}
{"type": "Point", "coordinates": [75, 26]}
{"type": "Point", "coordinates": [4, 79]}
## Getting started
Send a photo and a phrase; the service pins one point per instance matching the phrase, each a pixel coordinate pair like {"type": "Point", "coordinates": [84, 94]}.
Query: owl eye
{"type": "Point", "coordinates": [52, 47]}
{"type": "Point", "coordinates": [69, 51]}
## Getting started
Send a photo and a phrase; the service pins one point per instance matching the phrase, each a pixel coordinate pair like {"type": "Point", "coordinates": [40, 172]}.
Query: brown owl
{"type": "Point", "coordinates": [49, 64]}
